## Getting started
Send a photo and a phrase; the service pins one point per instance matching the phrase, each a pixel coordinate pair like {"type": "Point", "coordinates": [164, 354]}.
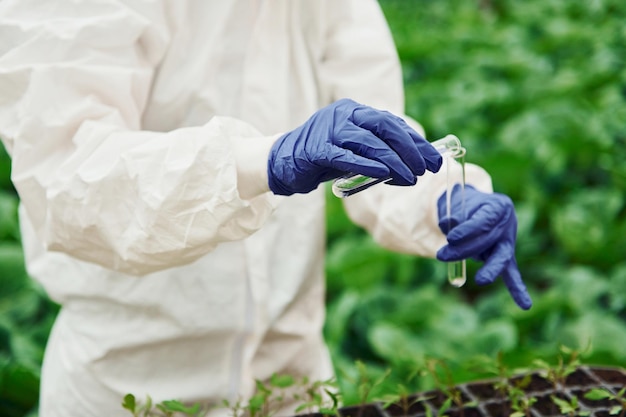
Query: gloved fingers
{"type": "Point", "coordinates": [449, 253]}
{"type": "Point", "coordinates": [472, 247]}
{"type": "Point", "coordinates": [495, 263]}
{"type": "Point", "coordinates": [432, 157]}
{"type": "Point", "coordinates": [485, 220]}
{"type": "Point", "coordinates": [448, 223]}
{"type": "Point", "coordinates": [515, 285]}
{"type": "Point", "coordinates": [365, 144]}
{"type": "Point", "coordinates": [348, 162]}
{"type": "Point", "coordinates": [397, 134]}
{"type": "Point", "coordinates": [452, 252]}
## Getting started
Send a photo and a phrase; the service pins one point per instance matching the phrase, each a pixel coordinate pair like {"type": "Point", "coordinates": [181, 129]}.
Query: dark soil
{"type": "Point", "coordinates": [579, 378]}
{"type": "Point", "coordinates": [537, 383]}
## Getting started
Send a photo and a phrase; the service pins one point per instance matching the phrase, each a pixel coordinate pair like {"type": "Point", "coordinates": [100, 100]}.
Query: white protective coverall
{"type": "Point", "coordinates": [139, 132]}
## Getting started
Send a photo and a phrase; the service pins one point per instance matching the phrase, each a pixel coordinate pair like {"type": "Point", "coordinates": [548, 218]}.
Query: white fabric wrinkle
{"type": "Point", "coordinates": [12, 91]}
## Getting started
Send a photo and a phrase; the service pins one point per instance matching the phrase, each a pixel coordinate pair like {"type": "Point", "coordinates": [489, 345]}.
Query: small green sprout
{"type": "Point", "coordinates": [604, 394]}
{"type": "Point", "coordinates": [570, 408]}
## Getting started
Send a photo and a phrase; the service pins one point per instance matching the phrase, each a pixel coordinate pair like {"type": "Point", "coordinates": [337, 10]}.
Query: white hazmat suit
{"type": "Point", "coordinates": [139, 132]}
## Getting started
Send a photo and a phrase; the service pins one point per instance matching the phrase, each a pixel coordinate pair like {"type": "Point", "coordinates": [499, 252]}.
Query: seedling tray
{"type": "Point", "coordinates": [481, 399]}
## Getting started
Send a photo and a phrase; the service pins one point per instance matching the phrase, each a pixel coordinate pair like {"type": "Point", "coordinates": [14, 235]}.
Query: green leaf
{"type": "Point", "coordinates": [177, 406]}
{"type": "Point", "coordinates": [281, 381]}
{"type": "Point", "coordinates": [598, 394]}
{"type": "Point", "coordinates": [9, 225]}
{"type": "Point", "coordinates": [5, 169]}
{"type": "Point", "coordinates": [540, 363]}
{"type": "Point", "coordinates": [586, 223]}
{"type": "Point", "coordinates": [262, 389]}
{"type": "Point", "coordinates": [496, 336]}
{"type": "Point", "coordinates": [395, 344]}
{"type": "Point", "coordinates": [129, 403]}
{"type": "Point", "coordinates": [445, 406]}
{"type": "Point", "coordinates": [563, 405]}
{"type": "Point", "coordinates": [257, 401]}
{"type": "Point", "coordinates": [19, 387]}
{"type": "Point", "coordinates": [13, 277]}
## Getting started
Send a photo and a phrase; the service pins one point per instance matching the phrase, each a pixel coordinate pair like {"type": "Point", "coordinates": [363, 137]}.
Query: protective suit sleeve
{"type": "Point", "coordinates": [405, 219]}
{"type": "Point", "coordinates": [75, 78]}
{"type": "Point", "coordinates": [361, 62]}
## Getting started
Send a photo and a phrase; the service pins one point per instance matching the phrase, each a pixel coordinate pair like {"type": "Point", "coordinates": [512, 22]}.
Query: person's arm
{"type": "Point", "coordinates": [75, 78]}
{"type": "Point", "coordinates": [361, 62]}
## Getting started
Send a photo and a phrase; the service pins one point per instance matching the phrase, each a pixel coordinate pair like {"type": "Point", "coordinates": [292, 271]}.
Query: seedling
{"type": "Point", "coordinates": [570, 408]}
{"type": "Point", "coordinates": [402, 398]}
{"type": "Point", "coordinates": [366, 385]}
{"type": "Point", "coordinates": [165, 408]}
{"type": "Point", "coordinates": [267, 400]}
{"type": "Point", "coordinates": [313, 397]}
{"type": "Point", "coordinates": [236, 409]}
{"type": "Point", "coordinates": [604, 394]}
{"type": "Point", "coordinates": [496, 367]}
{"type": "Point", "coordinates": [259, 405]}
{"type": "Point", "coordinates": [130, 404]}
{"type": "Point", "coordinates": [520, 402]}
{"type": "Point", "coordinates": [558, 374]}
{"type": "Point", "coordinates": [446, 386]}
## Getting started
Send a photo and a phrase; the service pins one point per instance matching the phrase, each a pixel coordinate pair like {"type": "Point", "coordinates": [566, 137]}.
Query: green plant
{"type": "Point", "coordinates": [167, 408]}
{"type": "Point", "coordinates": [515, 393]}
{"type": "Point", "coordinates": [602, 394]}
{"type": "Point", "coordinates": [445, 384]}
{"type": "Point", "coordinates": [511, 391]}
{"type": "Point", "coordinates": [365, 383]}
{"type": "Point", "coordinates": [402, 398]}
{"type": "Point", "coordinates": [570, 408]}
{"type": "Point", "coordinates": [319, 396]}
{"type": "Point", "coordinates": [521, 404]}
{"type": "Point", "coordinates": [546, 121]}
{"type": "Point", "coordinates": [496, 367]}
{"type": "Point", "coordinates": [270, 396]}
{"type": "Point", "coordinates": [558, 373]}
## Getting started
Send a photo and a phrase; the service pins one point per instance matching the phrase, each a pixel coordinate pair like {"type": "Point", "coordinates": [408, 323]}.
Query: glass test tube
{"type": "Point", "coordinates": [449, 147]}
{"type": "Point", "coordinates": [455, 174]}
{"type": "Point", "coordinates": [353, 183]}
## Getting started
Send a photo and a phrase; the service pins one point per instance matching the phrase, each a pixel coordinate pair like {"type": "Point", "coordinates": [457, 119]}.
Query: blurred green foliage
{"type": "Point", "coordinates": [26, 314]}
{"type": "Point", "coordinates": [536, 91]}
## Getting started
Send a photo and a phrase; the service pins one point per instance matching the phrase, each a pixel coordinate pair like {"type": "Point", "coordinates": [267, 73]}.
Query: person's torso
{"type": "Point", "coordinates": [249, 59]}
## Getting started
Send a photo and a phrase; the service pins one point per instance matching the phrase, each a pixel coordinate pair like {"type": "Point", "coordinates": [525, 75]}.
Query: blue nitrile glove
{"type": "Point", "coordinates": [347, 137]}
{"type": "Point", "coordinates": [487, 234]}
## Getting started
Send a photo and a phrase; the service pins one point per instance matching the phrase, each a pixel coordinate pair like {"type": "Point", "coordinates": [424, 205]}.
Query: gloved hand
{"type": "Point", "coordinates": [488, 234]}
{"type": "Point", "coordinates": [347, 137]}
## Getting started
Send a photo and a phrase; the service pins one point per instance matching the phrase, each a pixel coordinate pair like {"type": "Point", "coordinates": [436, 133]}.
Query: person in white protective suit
{"type": "Point", "coordinates": [168, 155]}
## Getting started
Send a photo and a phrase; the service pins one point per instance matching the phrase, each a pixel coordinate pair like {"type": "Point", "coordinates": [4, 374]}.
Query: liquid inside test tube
{"type": "Point", "coordinates": [457, 273]}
